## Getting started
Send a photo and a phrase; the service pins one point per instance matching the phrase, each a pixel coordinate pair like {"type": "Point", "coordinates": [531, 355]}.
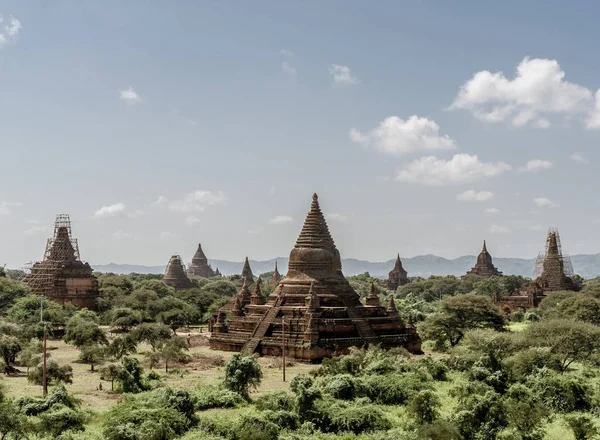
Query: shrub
{"type": "Point", "coordinates": [213, 397]}
{"type": "Point", "coordinates": [561, 393]}
{"type": "Point", "coordinates": [345, 387]}
{"type": "Point", "coordinates": [358, 416]}
{"type": "Point", "coordinates": [275, 400]}
{"type": "Point", "coordinates": [283, 419]}
{"type": "Point", "coordinates": [436, 368]}
{"type": "Point", "coordinates": [395, 389]}
{"type": "Point", "coordinates": [254, 427]}
{"type": "Point", "coordinates": [425, 406]}
{"type": "Point", "coordinates": [54, 373]}
{"type": "Point", "coordinates": [582, 425]}
{"type": "Point", "coordinates": [242, 373]}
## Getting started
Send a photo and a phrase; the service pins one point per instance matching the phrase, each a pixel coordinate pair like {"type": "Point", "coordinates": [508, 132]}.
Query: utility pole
{"type": "Point", "coordinates": [44, 371]}
{"type": "Point", "coordinates": [283, 344]}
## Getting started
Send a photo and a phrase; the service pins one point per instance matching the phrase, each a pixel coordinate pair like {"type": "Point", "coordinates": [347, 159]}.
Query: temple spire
{"type": "Point", "coordinates": [247, 272]}
{"type": "Point", "coordinates": [484, 249]}
{"type": "Point", "coordinates": [256, 299]}
{"type": "Point", "coordinates": [372, 298]}
{"type": "Point", "coordinates": [315, 232]}
{"type": "Point", "coordinates": [391, 309]}
{"type": "Point", "coordinates": [276, 277]}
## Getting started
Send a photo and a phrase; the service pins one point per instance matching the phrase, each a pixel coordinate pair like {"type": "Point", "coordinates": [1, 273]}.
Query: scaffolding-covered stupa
{"type": "Point", "coordinates": [175, 275]}
{"type": "Point", "coordinates": [314, 304]}
{"type": "Point", "coordinates": [61, 275]}
{"type": "Point", "coordinates": [553, 269]}
{"type": "Point", "coordinates": [200, 266]}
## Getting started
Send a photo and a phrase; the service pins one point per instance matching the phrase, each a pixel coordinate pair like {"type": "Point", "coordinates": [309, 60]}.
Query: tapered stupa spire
{"type": "Point", "coordinates": [315, 233]}
{"type": "Point", "coordinates": [247, 272]}
{"type": "Point", "coordinates": [484, 266]}
{"type": "Point", "coordinates": [372, 298]}
{"type": "Point", "coordinates": [276, 277]}
{"type": "Point", "coordinates": [256, 299]}
{"type": "Point", "coordinates": [200, 266]}
{"type": "Point", "coordinates": [397, 276]}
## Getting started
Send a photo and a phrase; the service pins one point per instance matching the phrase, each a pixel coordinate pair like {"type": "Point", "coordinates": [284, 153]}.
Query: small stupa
{"type": "Point", "coordinates": [276, 277]}
{"type": "Point", "coordinates": [247, 272]}
{"type": "Point", "coordinates": [175, 275]}
{"type": "Point", "coordinates": [315, 304]}
{"type": "Point", "coordinates": [553, 270]}
{"type": "Point", "coordinates": [484, 267]}
{"type": "Point", "coordinates": [200, 266]}
{"type": "Point", "coordinates": [397, 276]}
{"type": "Point", "coordinates": [61, 276]}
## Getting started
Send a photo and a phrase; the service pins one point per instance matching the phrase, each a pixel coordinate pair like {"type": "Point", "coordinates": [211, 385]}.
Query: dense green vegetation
{"type": "Point", "coordinates": [485, 375]}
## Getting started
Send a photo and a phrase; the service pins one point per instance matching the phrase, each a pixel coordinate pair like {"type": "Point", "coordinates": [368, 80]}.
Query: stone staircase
{"type": "Point", "coordinates": [261, 329]}
{"type": "Point", "coordinates": [363, 327]}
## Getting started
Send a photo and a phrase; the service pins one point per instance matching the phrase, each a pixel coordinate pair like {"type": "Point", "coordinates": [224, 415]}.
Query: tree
{"type": "Point", "coordinates": [152, 333]}
{"type": "Point", "coordinates": [12, 422]}
{"type": "Point", "coordinates": [10, 290]}
{"type": "Point", "coordinates": [130, 376]}
{"type": "Point", "coordinates": [582, 425]}
{"type": "Point", "coordinates": [31, 355]}
{"type": "Point", "coordinates": [122, 346]}
{"type": "Point", "coordinates": [26, 312]}
{"type": "Point", "coordinates": [425, 406]}
{"type": "Point", "coordinates": [175, 313]}
{"type": "Point", "coordinates": [111, 372]}
{"type": "Point", "coordinates": [83, 329]}
{"type": "Point", "coordinates": [572, 305]}
{"type": "Point", "coordinates": [242, 373]}
{"type": "Point", "coordinates": [568, 341]}
{"type": "Point", "coordinates": [458, 314]}
{"type": "Point", "coordinates": [124, 318]}
{"type": "Point", "coordinates": [55, 373]}
{"type": "Point", "coordinates": [173, 351]}
{"type": "Point", "coordinates": [10, 347]}
{"type": "Point", "coordinates": [92, 354]}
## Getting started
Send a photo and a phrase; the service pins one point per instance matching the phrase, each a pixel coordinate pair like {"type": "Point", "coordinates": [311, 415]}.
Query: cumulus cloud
{"type": "Point", "coordinates": [397, 136]}
{"type": "Point", "coordinates": [289, 70]}
{"type": "Point", "coordinates": [110, 210]}
{"type": "Point", "coordinates": [593, 120]}
{"type": "Point", "coordinates": [342, 75]}
{"type": "Point", "coordinates": [197, 201]}
{"type": "Point", "coordinates": [9, 29]}
{"type": "Point", "coordinates": [462, 168]}
{"type": "Point", "coordinates": [543, 202]}
{"type": "Point", "coordinates": [160, 200]}
{"type": "Point", "coordinates": [537, 91]}
{"type": "Point", "coordinates": [280, 220]}
{"type": "Point", "coordinates": [497, 229]}
{"type": "Point", "coordinates": [286, 53]}
{"type": "Point", "coordinates": [578, 157]}
{"type": "Point", "coordinates": [535, 165]}
{"type": "Point", "coordinates": [6, 208]}
{"type": "Point", "coordinates": [491, 211]}
{"type": "Point", "coordinates": [336, 217]}
{"type": "Point", "coordinates": [130, 96]}
{"type": "Point", "coordinates": [474, 196]}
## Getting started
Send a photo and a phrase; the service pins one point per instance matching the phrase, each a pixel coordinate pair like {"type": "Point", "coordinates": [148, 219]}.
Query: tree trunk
{"type": "Point", "coordinates": [112, 384]}
{"type": "Point", "coordinates": [166, 366]}
{"type": "Point", "coordinates": [92, 368]}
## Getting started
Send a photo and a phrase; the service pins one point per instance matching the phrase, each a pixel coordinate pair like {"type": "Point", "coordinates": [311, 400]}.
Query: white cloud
{"type": "Point", "coordinates": [137, 213]}
{"type": "Point", "coordinates": [6, 207]}
{"type": "Point", "coordinates": [286, 53]}
{"type": "Point", "coordinates": [197, 201]}
{"type": "Point", "coordinates": [535, 165]}
{"type": "Point", "coordinates": [593, 120]}
{"type": "Point", "coordinates": [254, 231]}
{"type": "Point", "coordinates": [336, 217]}
{"type": "Point", "coordinates": [161, 200]}
{"type": "Point", "coordinates": [36, 228]}
{"type": "Point", "coordinates": [397, 136]}
{"type": "Point", "coordinates": [538, 90]}
{"type": "Point", "coordinates": [578, 157]}
{"type": "Point", "coordinates": [342, 75]}
{"type": "Point", "coordinates": [167, 234]}
{"type": "Point", "coordinates": [110, 210]}
{"type": "Point", "coordinates": [192, 122]}
{"type": "Point", "coordinates": [497, 229]}
{"type": "Point", "coordinates": [280, 220]}
{"type": "Point", "coordinates": [9, 29]}
{"type": "Point", "coordinates": [461, 168]}
{"type": "Point", "coordinates": [130, 96]}
{"type": "Point", "coordinates": [543, 202]}
{"type": "Point", "coordinates": [491, 211]}
{"type": "Point", "coordinates": [191, 220]}
{"type": "Point", "coordinates": [288, 69]}
{"type": "Point", "coordinates": [122, 235]}
{"type": "Point", "coordinates": [474, 196]}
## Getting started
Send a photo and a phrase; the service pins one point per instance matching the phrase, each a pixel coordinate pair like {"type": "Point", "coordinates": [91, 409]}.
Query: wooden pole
{"type": "Point", "coordinates": [44, 371]}
{"type": "Point", "coordinates": [283, 344]}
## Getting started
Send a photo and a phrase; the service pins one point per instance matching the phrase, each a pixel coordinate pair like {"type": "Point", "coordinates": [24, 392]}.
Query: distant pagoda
{"type": "Point", "coordinates": [175, 275]}
{"type": "Point", "coordinates": [484, 267]}
{"type": "Point", "coordinates": [276, 277]}
{"type": "Point", "coordinates": [398, 276]}
{"type": "Point", "coordinates": [553, 270]}
{"type": "Point", "coordinates": [61, 276]}
{"type": "Point", "coordinates": [314, 304]}
{"type": "Point", "coordinates": [247, 272]}
{"type": "Point", "coordinates": [217, 273]}
{"type": "Point", "coordinates": [200, 266]}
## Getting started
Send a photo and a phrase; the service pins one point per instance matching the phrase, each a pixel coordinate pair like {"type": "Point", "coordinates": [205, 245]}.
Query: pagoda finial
{"type": "Point", "coordinates": [315, 197]}
{"type": "Point", "coordinates": [484, 247]}
{"type": "Point", "coordinates": [372, 298]}
{"type": "Point", "coordinates": [392, 307]}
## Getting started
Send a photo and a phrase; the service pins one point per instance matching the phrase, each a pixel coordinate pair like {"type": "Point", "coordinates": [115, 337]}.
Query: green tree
{"type": "Point", "coordinates": [92, 354]}
{"type": "Point", "coordinates": [83, 329]}
{"type": "Point", "coordinates": [122, 346]}
{"type": "Point", "coordinates": [111, 372]}
{"type": "Point", "coordinates": [175, 313]}
{"type": "Point", "coordinates": [458, 314]}
{"type": "Point", "coordinates": [242, 373]}
{"type": "Point", "coordinates": [13, 424]}
{"type": "Point", "coordinates": [173, 350]}
{"type": "Point", "coordinates": [55, 373]}
{"type": "Point", "coordinates": [582, 425]}
{"type": "Point", "coordinates": [10, 290]}
{"type": "Point", "coordinates": [425, 406]}
{"type": "Point", "coordinates": [152, 333]}
{"type": "Point", "coordinates": [10, 346]}
{"type": "Point", "coordinates": [124, 318]}
{"type": "Point", "coordinates": [130, 378]}
{"type": "Point", "coordinates": [568, 341]}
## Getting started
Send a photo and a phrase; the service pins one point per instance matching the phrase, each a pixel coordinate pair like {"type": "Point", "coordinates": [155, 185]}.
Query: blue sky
{"type": "Point", "coordinates": [157, 125]}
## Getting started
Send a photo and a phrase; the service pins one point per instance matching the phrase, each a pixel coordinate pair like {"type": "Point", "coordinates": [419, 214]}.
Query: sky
{"type": "Point", "coordinates": [425, 127]}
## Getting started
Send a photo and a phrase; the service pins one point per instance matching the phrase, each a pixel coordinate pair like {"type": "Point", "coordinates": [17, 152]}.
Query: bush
{"type": "Point", "coordinates": [54, 374]}
{"type": "Point", "coordinates": [561, 393]}
{"type": "Point", "coordinates": [436, 368]}
{"type": "Point", "coordinates": [345, 387]}
{"type": "Point", "coordinates": [358, 416]}
{"type": "Point", "coordinates": [395, 389]}
{"type": "Point", "coordinates": [213, 397]}
{"type": "Point", "coordinates": [242, 373]}
{"type": "Point", "coordinates": [283, 419]}
{"type": "Point", "coordinates": [275, 400]}
{"type": "Point", "coordinates": [254, 427]}
{"type": "Point", "coordinates": [425, 406]}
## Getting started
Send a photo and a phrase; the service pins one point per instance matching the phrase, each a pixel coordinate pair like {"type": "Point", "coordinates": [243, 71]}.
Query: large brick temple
{"type": "Point", "coordinates": [175, 274]}
{"type": "Point", "coordinates": [61, 275]}
{"type": "Point", "coordinates": [200, 266]}
{"type": "Point", "coordinates": [314, 304]}
{"type": "Point", "coordinates": [397, 276]}
{"type": "Point", "coordinates": [484, 267]}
